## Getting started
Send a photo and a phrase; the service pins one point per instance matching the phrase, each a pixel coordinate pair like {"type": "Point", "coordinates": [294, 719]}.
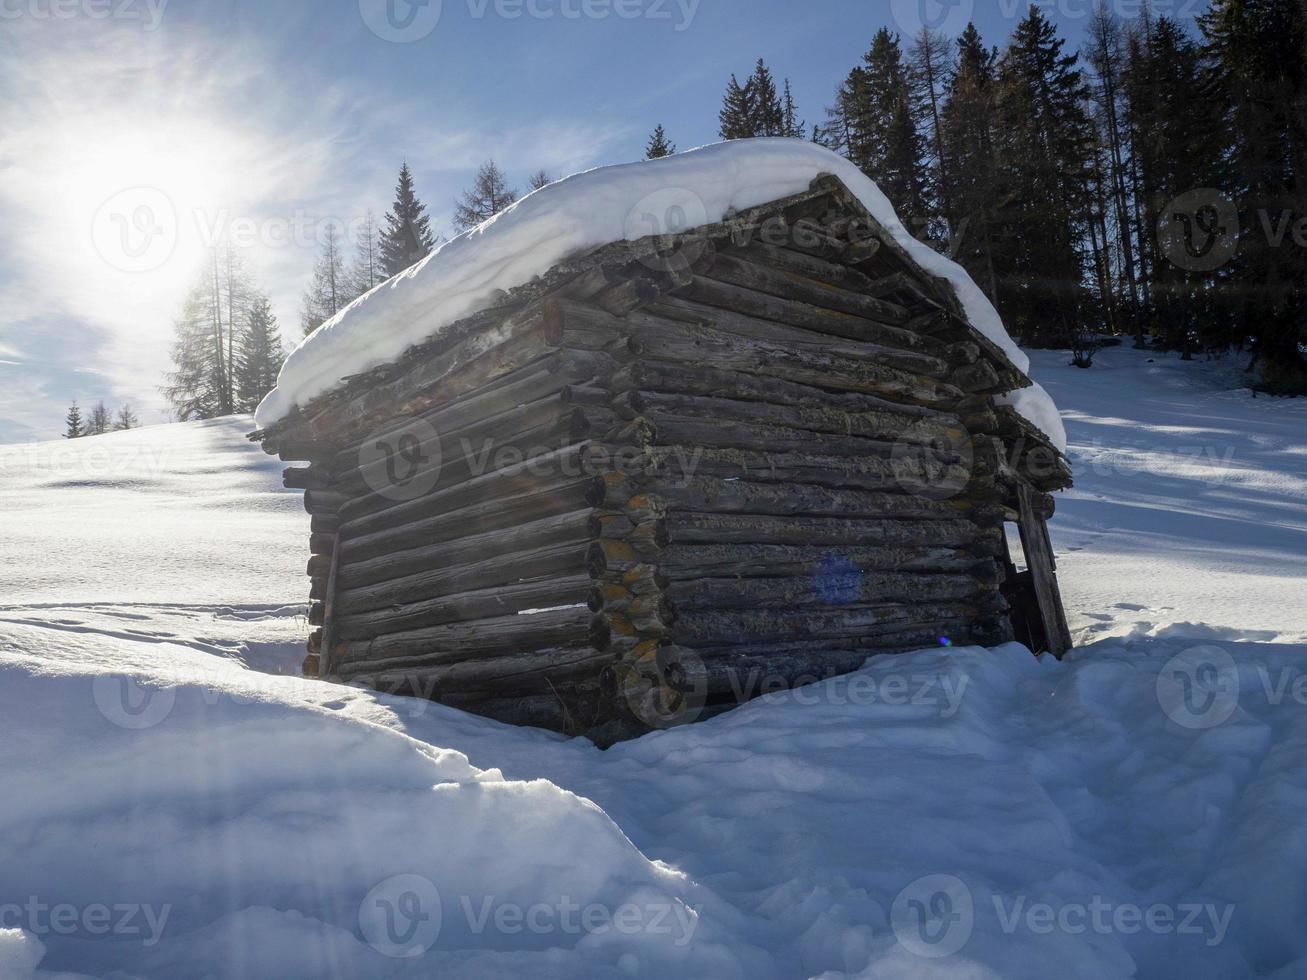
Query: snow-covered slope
{"type": "Point", "coordinates": [1136, 810]}
{"type": "Point", "coordinates": [579, 213]}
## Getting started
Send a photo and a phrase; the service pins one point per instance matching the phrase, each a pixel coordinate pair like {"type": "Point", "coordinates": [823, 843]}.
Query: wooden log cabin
{"type": "Point", "coordinates": [676, 472]}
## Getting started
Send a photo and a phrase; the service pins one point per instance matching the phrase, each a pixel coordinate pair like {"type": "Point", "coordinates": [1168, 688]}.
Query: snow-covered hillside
{"type": "Point", "coordinates": [175, 806]}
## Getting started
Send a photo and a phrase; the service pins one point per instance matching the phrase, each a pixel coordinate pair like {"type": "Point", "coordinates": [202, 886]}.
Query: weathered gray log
{"type": "Point", "coordinates": [687, 527]}
{"type": "Point", "coordinates": [324, 502]}
{"type": "Point", "coordinates": [803, 263]}
{"type": "Point", "coordinates": [306, 478]}
{"type": "Point", "coordinates": [755, 625]}
{"type": "Point", "coordinates": [456, 642]}
{"type": "Point", "coordinates": [911, 473]}
{"type": "Point", "coordinates": [794, 288]}
{"type": "Point", "coordinates": [499, 600]}
{"type": "Point", "coordinates": [549, 499]}
{"type": "Point", "coordinates": [708, 493]}
{"type": "Point", "coordinates": [684, 343]}
{"type": "Point", "coordinates": [544, 474]}
{"type": "Point", "coordinates": [883, 425]}
{"type": "Point", "coordinates": [483, 573]}
{"type": "Point", "coordinates": [691, 562]}
{"type": "Point", "coordinates": [467, 365]}
{"type": "Point", "coordinates": [728, 433]}
{"type": "Point", "coordinates": [562, 529]}
{"type": "Point", "coordinates": [519, 672]}
{"type": "Point", "coordinates": [581, 326]}
{"type": "Point", "coordinates": [838, 588]}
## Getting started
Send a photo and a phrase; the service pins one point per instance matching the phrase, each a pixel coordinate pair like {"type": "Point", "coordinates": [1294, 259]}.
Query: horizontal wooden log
{"type": "Point", "coordinates": [468, 364]}
{"type": "Point", "coordinates": [521, 672]}
{"type": "Point", "coordinates": [725, 432]}
{"type": "Point", "coordinates": [895, 350]}
{"type": "Point", "coordinates": [909, 474]}
{"type": "Point", "coordinates": [712, 494]}
{"type": "Point", "coordinates": [499, 600]}
{"type": "Point", "coordinates": [306, 478]}
{"type": "Point", "coordinates": [482, 573]}
{"type": "Point", "coordinates": [549, 499]}
{"type": "Point", "coordinates": [888, 426]}
{"type": "Point", "coordinates": [323, 502]}
{"type": "Point", "coordinates": [457, 642]}
{"type": "Point", "coordinates": [541, 474]}
{"type": "Point", "coordinates": [803, 263]}
{"type": "Point", "coordinates": [581, 326]}
{"type": "Point", "coordinates": [650, 375]}
{"type": "Point", "coordinates": [691, 562]}
{"type": "Point", "coordinates": [837, 588]}
{"type": "Point", "coordinates": [754, 625]}
{"type": "Point", "coordinates": [794, 289]}
{"type": "Point", "coordinates": [670, 341]}
{"type": "Point", "coordinates": [563, 529]}
{"type": "Point", "coordinates": [686, 527]}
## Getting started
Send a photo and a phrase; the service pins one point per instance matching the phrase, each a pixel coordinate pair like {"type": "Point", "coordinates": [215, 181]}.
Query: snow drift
{"type": "Point", "coordinates": [580, 213]}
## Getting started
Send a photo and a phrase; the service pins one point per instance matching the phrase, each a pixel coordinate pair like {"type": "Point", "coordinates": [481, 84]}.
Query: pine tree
{"type": "Point", "coordinates": [659, 145]}
{"type": "Point", "coordinates": [791, 125]}
{"type": "Point", "coordinates": [1046, 151]}
{"type": "Point", "coordinates": [736, 119]}
{"type": "Point", "coordinates": [261, 355]}
{"type": "Point", "coordinates": [1258, 53]}
{"type": "Point", "coordinates": [769, 113]}
{"type": "Point", "coordinates": [971, 179]}
{"type": "Point", "coordinates": [98, 424]}
{"type": "Point", "coordinates": [489, 195]}
{"type": "Point", "coordinates": [328, 293]}
{"type": "Point", "coordinates": [195, 386]}
{"type": "Point", "coordinates": [873, 124]}
{"type": "Point", "coordinates": [125, 419]}
{"type": "Point", "coordinates": [407, 236]}
{"type": "Point", "coordinates": [539, 179]}
{"type": "Point", "coordinates": [366, 272]}
{"type": "Point", "coordinates": [73, 422]}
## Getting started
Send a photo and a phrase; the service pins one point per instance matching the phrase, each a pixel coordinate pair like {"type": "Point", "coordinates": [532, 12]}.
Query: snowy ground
{"type": "Point", "coordinates": [173, 808]}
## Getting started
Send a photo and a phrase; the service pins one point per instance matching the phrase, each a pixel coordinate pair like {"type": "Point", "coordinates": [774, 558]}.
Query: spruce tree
{"type": "Point", "coordinates": [1046, 149]}
{"type": "Point", "coordinates": [929, 64]}
{"type": "Point", "coordinates": [261, 355]}
{"type": "Point", "coordinates": [73, 422]}
{"type": "Point", "coordinates": [791, 125]}
{"type": "Point", "coordinates": [539, 179]}
{"type": "Point", "coordinates": [659, 145]}
{"type": "Point", "coordinates": [99, 422]}
{"type": "Point", "coordinates": [328, 292]}
{"type": "Point", "coordinates": [407, 236]}
{"type": "Point", "coordinates": [736, 119]}
{"type": "Point", "coordinates": [125, 419]}
{"type": "Point", "coordinates": [873, 124]}
{"type": "Point", "coordinates": [488, 195]}
{"type": "Point", "coordinates": [971, 181]}
{"type": "Point", "coordinates": [1258, 54]}
{"type": "Point", "coordinates": [199, 386]}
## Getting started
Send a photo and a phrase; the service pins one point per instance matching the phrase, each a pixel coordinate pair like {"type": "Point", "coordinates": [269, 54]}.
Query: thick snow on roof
{"type": "Point", "coordinates": [582, 212]}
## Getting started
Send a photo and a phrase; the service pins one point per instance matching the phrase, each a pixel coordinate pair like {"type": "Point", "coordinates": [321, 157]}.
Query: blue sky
{"type": "Point", "coordinates": [258, 122]}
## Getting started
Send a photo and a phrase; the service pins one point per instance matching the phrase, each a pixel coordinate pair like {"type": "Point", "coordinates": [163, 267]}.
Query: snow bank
{"type": "Point", "coordinates": [575, 215]}
{"type": "Point", "coordinates": [950, 813]}
{"type": "Point", "coordinates": [1036, 407]}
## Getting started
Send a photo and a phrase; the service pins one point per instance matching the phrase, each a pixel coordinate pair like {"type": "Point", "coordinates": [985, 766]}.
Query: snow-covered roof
{"type": "Point", "coordinates": [588, 210]}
